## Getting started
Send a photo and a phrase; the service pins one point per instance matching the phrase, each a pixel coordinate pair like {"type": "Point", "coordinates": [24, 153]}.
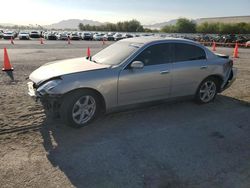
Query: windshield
{"type": "Point", "coordinates": [116, 53]}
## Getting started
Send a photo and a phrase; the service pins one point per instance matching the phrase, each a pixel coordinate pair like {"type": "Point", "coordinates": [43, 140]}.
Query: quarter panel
{"type": "Point", "coordinates": [187, 76]}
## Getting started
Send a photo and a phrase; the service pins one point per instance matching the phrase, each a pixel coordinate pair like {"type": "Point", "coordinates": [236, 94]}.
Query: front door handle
{"type": "Point", "coordinates": [165, 72]}
{"type": "Point", "coordinates": [203, 67]}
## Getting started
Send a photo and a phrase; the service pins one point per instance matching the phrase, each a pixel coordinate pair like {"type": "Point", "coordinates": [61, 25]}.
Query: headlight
{"type": "Point", "coordinates": [48, 86]}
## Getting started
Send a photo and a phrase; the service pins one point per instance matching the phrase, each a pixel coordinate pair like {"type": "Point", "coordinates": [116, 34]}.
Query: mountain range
{"type": "Point", "coordinates": [160, 25]}
{"type": "Point", "coordinates": [73, 23]}
{"type": "Point", "coordinates": [230, 19]}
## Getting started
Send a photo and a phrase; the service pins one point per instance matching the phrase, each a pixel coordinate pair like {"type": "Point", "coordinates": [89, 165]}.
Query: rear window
{"type": "Point", "coordinates": [188, 52]}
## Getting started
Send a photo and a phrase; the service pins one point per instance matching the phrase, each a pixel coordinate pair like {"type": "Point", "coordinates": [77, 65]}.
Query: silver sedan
{"type": "Point", "coordinates": [130, 71]}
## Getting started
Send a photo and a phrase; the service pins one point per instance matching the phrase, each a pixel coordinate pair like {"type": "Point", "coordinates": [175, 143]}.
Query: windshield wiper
{"type": "Point", "coordinates": [94, 61]}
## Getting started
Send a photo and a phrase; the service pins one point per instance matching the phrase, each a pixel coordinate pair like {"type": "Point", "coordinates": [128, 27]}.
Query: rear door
{"type": "Point", "coordinates": [189, 68]}
{"type": "Point", "coordinates": [152, 82]}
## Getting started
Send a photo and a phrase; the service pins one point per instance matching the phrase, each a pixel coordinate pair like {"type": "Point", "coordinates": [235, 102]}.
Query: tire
{"type": "Point", "coordinates": [207, 91]}
{"type": "Point", "coordinates": [79, 108]}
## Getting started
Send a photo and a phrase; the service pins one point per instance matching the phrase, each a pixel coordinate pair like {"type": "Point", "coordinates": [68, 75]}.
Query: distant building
{"type": "Point", "coordinates": [232, 19]}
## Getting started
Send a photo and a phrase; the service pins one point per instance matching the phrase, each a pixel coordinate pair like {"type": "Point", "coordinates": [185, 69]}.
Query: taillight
{"type": "Point", "coordinates": [228, 65]}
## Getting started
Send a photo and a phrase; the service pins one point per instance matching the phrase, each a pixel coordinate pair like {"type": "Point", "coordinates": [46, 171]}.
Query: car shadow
{"type": "Point", "coordinates": [173, 144]}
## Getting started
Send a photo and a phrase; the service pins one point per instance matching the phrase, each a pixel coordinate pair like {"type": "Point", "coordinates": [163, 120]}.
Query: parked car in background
{"type": "Point", "coordinates": [35, 34]}
{"type": "Point", "coordinates": [68, 33]}
{"type": "Point", "coordinates": [205, 38]}
{"type": "Point", "coordinates": [62, 36]}
{"type": "Point", "coordinates": [44, 33]}
{"type": "Point", "coordinates": [130, 71]}
{"type": "Point", "coordinates": [51, 36]}
{"type": "Point", "coordinates": [87, 36]}
{"type": "Point", "coordinates": [98, 37]}
{"type": "Point", "coordinates": [147, 34]}
{"type": "Point", "coordinates": [118, 36]}
{"type": "Point", "coordinates": [75, 36]}
{"type": "Point", "coordinates": [23, 35]}
{"type": "Point", "coordinates": [9, 34]}
{"type": "Point", "coordinates": [229, 38]}
{"type": "Point", "coordinates": [128, 35]}
{"type": "Point", "coordinates": [241, 39]}
{"type": "Point", "coordinates": [80, 35]}
{"type": "Point", "coordinates": [1, 34]}
{"type": "Point", "coordinates": [109, 37]}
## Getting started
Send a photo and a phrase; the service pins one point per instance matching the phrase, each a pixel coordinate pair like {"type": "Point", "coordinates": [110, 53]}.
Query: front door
{"type": "Point", "coordinates": [152, 82]}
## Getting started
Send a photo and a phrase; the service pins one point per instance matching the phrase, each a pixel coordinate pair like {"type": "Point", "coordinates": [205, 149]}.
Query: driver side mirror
{"type": "Point", "coordinates": [137, 65]}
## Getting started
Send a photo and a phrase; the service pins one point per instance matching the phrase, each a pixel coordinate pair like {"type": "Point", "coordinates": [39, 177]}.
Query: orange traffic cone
{"type": "Point", "coordinates": [236, 51]}
{"type": "Point", "coordinates": [6, 65]}
{"type": "Point", "coordinates": [103, 41]}
{"type": "Point", "coordinates": [41, 41]}
{"type": "Point", "coordinates": [68, 40]}
{"type": "Point", "coordinates": [214, 46]}
{"type": "Point", "coordinates": [88, 53]}
{"type": "Point", "coordinates": [11, 40]}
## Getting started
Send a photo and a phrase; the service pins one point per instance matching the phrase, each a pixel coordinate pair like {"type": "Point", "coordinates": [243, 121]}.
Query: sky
{"type": "Point", "coordinates": [45, 12]}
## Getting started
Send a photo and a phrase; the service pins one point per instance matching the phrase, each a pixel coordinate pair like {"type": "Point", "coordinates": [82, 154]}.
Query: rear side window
{"type": "Point", "coordinates": [156, 54]}
{"type": "Point", "coordinates": [188, 52]}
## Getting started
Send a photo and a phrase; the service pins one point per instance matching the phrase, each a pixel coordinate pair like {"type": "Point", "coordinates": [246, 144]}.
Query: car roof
{"type": "Point", "coordinates": [146, 40]}
{"type": "Point", "coordinates": [150, 40]}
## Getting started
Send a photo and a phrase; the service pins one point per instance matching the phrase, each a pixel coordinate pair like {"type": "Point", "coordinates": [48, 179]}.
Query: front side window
{"type": "Point", "coordinates": [188, 52]}
{"type": "Point", "coordinates": [155, 54]}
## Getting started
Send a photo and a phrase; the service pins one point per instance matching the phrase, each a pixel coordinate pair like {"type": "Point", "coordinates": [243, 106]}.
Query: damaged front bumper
{"type": "Point", "coordinates": [50, 102]}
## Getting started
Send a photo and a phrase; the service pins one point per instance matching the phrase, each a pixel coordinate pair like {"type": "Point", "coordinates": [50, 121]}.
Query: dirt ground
{"type": "Point", "coordinates": [173, 144]}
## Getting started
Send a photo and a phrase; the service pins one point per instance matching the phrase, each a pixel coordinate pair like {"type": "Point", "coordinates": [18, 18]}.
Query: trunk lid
{"type": "Point", "coordinates": [222, 56]}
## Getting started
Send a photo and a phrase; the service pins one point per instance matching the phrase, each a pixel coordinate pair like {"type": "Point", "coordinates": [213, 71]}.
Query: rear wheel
{"type": "Point", "coordinates": [79, 108]}
{"type": "Point", "coordinates": [207, 91]}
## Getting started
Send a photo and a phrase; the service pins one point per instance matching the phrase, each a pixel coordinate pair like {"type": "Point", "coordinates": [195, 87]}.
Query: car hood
{"type": "Point", "coordinates": [63, 67]}
{"type": "Point", "coordinates": [8, 34]}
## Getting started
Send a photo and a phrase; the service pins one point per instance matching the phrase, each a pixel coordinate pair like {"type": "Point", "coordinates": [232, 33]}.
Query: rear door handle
{"type": "Point", "coordinates": [165, 72]}
{"type": "Point", "coordinates": [203, 67]}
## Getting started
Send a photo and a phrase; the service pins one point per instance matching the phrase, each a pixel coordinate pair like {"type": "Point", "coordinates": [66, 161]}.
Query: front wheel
{"type": "Point", "coordinates": [207, 91]}
{"type": "Point", "coordinates": [79, 108]}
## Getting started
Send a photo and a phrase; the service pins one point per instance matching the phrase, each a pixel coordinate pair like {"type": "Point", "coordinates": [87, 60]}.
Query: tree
{"type": "Point", "coordinates": [127, 26]}
{"type": "Point", "coordinates": [134, 26]}
{"type": "Point", "coordinates": [81, 27]}
{"type": "Point", "coordinates": [169, 29]}
{"type": "Point", "coordinates": [208, 28]}
{"type": "Point", "coordinates": [184, 25]}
